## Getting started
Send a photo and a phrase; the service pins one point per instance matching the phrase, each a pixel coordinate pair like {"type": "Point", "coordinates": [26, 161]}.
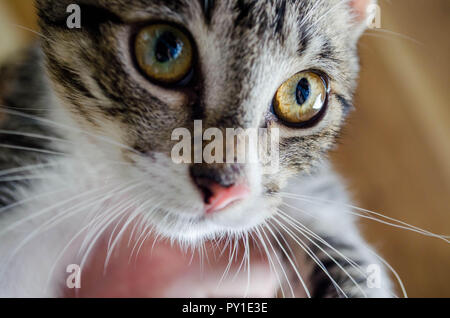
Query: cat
{"type": "Point", "coordinates": [86, 136]}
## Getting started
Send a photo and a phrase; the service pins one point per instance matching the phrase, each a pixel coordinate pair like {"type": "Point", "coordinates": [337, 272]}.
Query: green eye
{"type": "Point", "coordinates": [301, 99]}
{"type": "Point", "coordinates": [164, 53]}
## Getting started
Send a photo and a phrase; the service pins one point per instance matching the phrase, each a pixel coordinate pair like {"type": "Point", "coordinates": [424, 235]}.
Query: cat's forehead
{"type": "Point", "coordinates": [244, 13]}
{"type": "Point", "coordinates": [255, 26]}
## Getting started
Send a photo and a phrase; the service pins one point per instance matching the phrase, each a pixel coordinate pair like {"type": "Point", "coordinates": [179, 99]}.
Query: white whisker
{"type": "Point", "coordinates": [271, 262]}
{"type": "Point", "coordinates": [311, 254]}
{"type": "Point", "coordinates": [31, 149]}
{"type": "Point", "coordinates": [302, 228]}
{"type": "Point", "coordinates": [280, 263]}
{"type": "Point", "coordinates": [406, 226]}
{"type": "Point", "coordinates": [294, 267]}
{"type": "Point", "coordinates": [68, 128]}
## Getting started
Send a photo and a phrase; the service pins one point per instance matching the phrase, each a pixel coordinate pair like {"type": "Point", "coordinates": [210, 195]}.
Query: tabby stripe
{"type": "Point", "coordinates": [346, 104]}
{"type": "Point", "coordinates": [279, 19]}
{"type": "Point", "coordinates": [68, 76]}
{"type": "Point", "coordinates": [207, 7]}
{"type": "Point", "coordinates": [327, 51]}
{"type": "Point", "coordinates": [244, 17]}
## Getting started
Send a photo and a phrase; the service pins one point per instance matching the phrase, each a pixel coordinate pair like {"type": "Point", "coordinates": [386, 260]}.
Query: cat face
{"type": "Point", "coordinates": [138, 70]}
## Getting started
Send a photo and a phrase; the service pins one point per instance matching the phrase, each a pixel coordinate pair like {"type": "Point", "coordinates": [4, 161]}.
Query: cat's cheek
{"type": "Point", "coordinates": [360, 8]}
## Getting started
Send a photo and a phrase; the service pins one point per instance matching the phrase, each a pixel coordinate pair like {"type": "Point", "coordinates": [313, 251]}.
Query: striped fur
{"type": "Point", "coordinates": [245, 50]}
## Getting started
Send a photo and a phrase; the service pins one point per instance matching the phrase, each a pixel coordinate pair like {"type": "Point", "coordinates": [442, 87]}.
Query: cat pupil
{"type": "Point", "coordinates": [167, 47]}
{"type": "Point", "coordinates": [303, 91]}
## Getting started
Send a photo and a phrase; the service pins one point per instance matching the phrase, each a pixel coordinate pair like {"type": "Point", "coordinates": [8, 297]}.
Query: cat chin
{"type": "Point", "coordinates": [234, 222]}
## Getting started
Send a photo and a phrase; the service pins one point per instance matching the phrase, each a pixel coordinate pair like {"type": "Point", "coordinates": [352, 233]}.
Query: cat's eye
{"type": "Point", "coordinates": [164, 53]}
{"type": "Point", "coordinates": [302, 99]}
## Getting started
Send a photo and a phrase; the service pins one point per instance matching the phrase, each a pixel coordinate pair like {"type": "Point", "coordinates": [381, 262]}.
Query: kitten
{"type": "Point", "coordinates": [86, 163]}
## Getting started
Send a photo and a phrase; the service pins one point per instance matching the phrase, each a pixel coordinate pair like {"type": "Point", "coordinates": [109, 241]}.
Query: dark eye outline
{"type": "Point", "coordinates": [190, 76]}
{"type": "Point", "coordinates": [317, 118]}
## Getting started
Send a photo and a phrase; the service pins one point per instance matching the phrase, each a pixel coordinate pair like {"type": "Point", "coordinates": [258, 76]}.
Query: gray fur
{"type": "Point", "coordinates": [245, 50]}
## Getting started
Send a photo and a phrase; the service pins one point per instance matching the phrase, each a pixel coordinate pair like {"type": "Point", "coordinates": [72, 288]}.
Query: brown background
{"type": "Point", "coordinates": [395, 152]}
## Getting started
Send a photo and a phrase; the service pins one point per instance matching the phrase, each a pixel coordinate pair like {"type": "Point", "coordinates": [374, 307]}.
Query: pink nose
{"type": "Point", "coordinates": [221, 197]}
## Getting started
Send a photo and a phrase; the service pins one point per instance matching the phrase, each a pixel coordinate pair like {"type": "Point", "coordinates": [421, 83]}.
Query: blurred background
{"type": "Point", "coordinates": [395, 151]}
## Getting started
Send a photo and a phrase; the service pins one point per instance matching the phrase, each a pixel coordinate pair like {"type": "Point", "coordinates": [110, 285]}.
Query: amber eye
{"type": "Point", "coordinates": [164, 53]}
{"type": "Point", "coordinates": [301, 100]}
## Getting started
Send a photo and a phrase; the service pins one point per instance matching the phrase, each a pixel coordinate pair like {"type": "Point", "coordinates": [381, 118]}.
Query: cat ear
{"type": "Point", "coordinates": [362, 11]}
{"type": "Point", "coordinates": [361, 8]}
